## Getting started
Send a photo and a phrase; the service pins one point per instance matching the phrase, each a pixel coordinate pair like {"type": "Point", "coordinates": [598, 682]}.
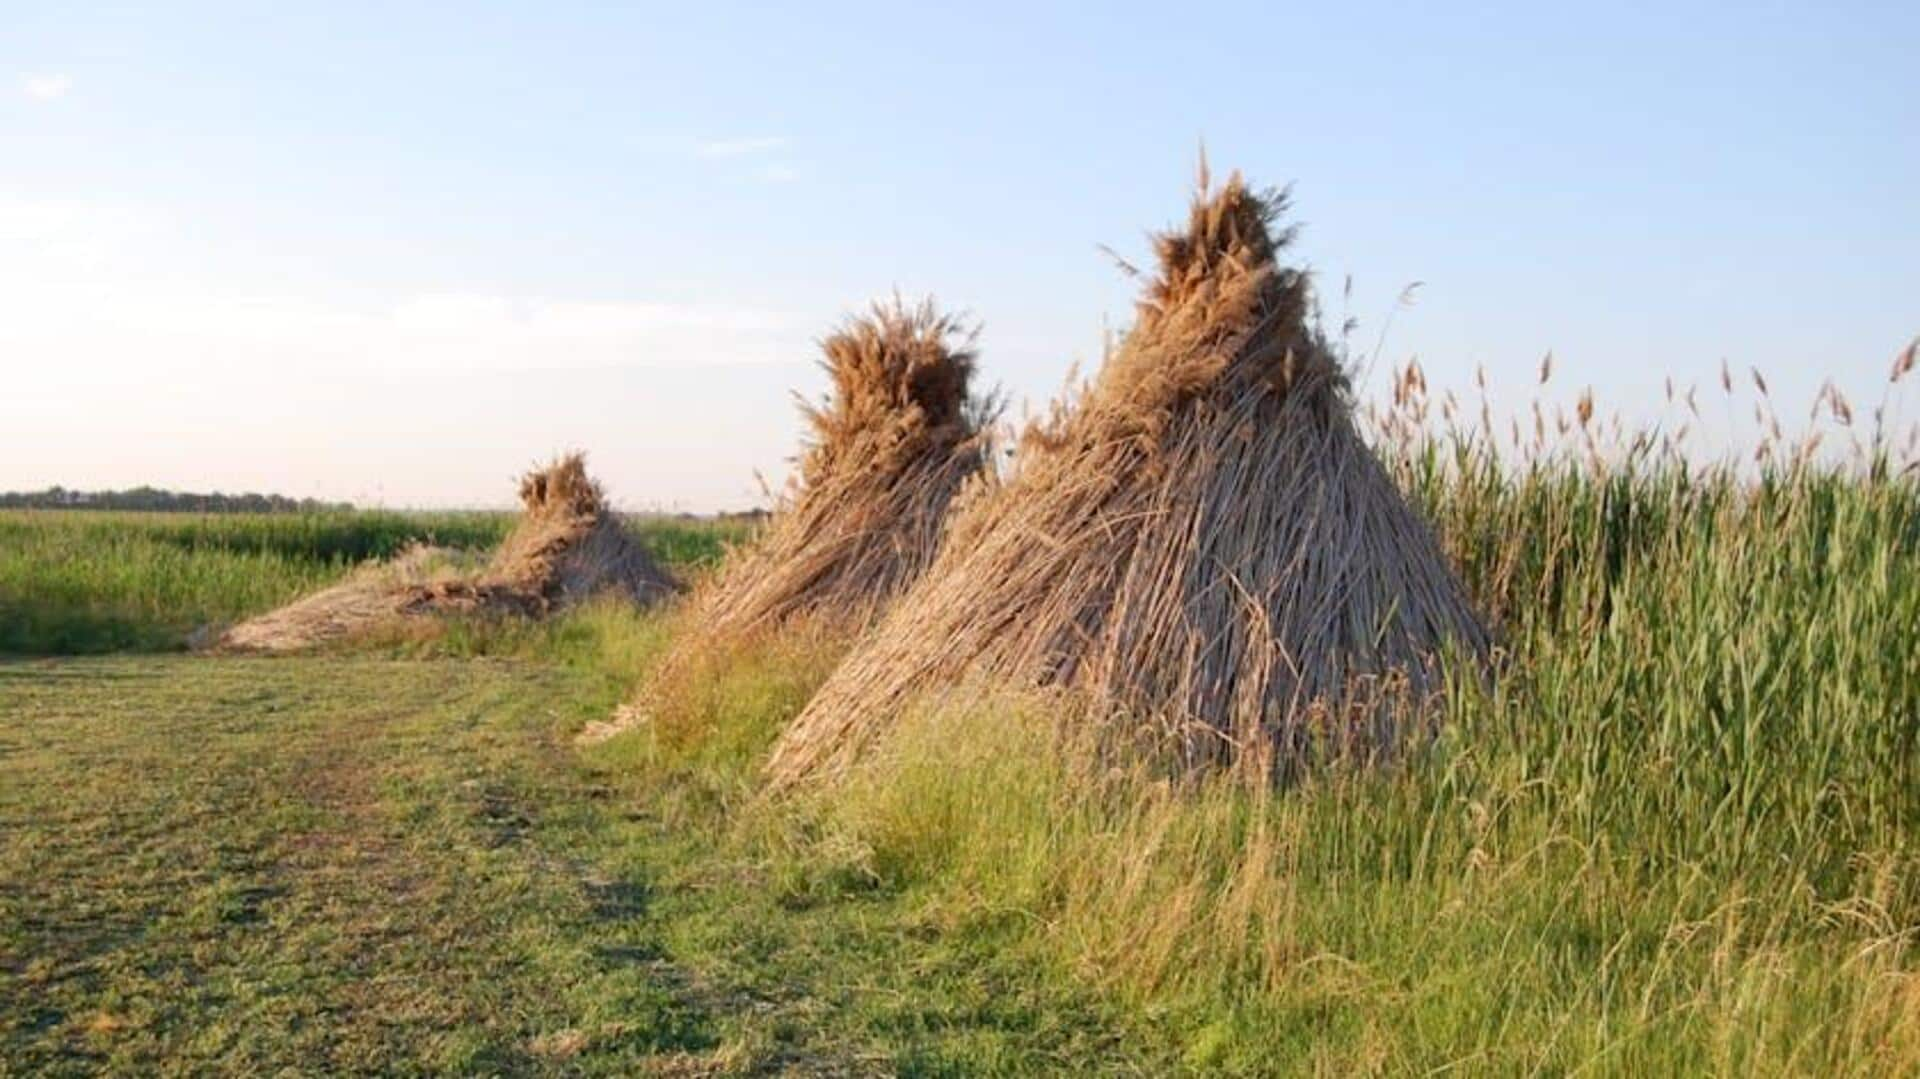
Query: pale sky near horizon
{"type": "Point", "coordinates": [395, 253]}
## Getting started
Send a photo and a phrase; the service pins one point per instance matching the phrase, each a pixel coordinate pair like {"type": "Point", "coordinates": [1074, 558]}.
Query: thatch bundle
{"type": "Point", "coordinates": [373, 595]}
{"type": "Point", "coordinates": [899, 435]}
{"type": "Point", "coordinates": [567, 545]}
{"type": "Point", "coordinates": [1204, 539]}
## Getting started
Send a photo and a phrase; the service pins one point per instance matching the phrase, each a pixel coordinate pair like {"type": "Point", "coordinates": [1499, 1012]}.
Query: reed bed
{"type": "Point", "coordinates": [75, 581]}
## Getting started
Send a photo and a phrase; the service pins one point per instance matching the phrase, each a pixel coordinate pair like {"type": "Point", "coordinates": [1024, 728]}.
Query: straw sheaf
{"type": "Point", "coordinates": [1203, 540]}
{"type": "Point", "coordinates": [568, 545]}
{"type": "Point", "coordinates": [901, 391]}
{"type": "Point", "coordinates": [898, 437]}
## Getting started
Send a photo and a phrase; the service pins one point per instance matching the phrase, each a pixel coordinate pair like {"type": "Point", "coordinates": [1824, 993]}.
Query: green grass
{"type": "Point", "coordinates": [1679, 835]}
{"type": "Point", "coordinates": [76, 582]}
{"type": "Point", "coordinates": [305, 861]}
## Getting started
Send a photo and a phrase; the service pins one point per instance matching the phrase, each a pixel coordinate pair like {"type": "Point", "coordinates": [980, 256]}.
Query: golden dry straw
{"type": "Point", "coordinates": [899, 435]}
{"type": "Point", "coordinates": [1204, 540]}
{"type": "Point", "coordinates": [567, 545]}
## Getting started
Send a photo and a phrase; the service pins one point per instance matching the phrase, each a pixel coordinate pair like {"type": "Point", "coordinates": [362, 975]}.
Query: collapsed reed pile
{"type": "Point", "coordinates": [567, 545]}
{"type": "Point", "coordinates": [899, 435]}
{"type": "Point", "coordinates": [1204, 539]}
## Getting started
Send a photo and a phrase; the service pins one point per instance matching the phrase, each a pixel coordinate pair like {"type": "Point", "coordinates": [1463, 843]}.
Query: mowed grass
{"type": "Point", "coordinates": [354, 864]}
{"type": "Point", "coordinates": [329, 864]}
{"type": "Point", "coordinates": [75, 581]}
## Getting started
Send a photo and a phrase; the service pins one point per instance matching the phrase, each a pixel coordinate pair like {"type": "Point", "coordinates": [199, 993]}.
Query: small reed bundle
{"type": "Point", "coordinates": [568, 545]}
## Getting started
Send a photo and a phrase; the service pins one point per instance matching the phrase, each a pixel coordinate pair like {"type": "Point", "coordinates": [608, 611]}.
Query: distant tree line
{"type": "Point", "coordinates": [155, 500]}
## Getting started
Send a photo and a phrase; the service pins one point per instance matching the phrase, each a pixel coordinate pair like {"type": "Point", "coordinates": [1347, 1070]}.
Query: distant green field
{"type": "Point", "coordinates": [76, 581]}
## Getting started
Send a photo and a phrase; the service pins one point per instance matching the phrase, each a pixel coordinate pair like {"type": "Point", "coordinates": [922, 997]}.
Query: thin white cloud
{"type": "Point", "coordinates": [90, 283]}
{"type": "Point", "coordinates": [454, 332]}
{"type": "Point", "coordinates": [44, 239]}
{"type": "Point", "coordinates": [779, 174]}
{"type": "Point", "coordinates": [46, 87]}
{"type": "Point", "coordinates": [102, 325]}
{"type": "Point", "coordinates": [744, 147]}
{"type": "Point", "coordinates": [537, 320]}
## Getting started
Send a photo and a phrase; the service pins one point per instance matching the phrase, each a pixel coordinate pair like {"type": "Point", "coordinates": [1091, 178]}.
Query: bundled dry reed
{"type": "Point", "coordinates": [1203, 539]}
{"type": "Point", "coordinates": [900, 434]}
{"type": "Point", "coordinates": [372, 595]}
{"type": "Point", "coordinates": [567, 545]}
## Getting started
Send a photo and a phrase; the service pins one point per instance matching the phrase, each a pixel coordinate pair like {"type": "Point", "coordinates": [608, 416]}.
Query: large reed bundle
{"type": "Point", "coordinates": [899, 435]}
{"type": "Point", "coordinates": [1204, 539]}
{"type": "Point", "coordinates": [567, 545]}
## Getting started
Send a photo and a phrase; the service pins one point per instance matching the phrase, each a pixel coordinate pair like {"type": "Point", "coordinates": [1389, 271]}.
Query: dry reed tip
{"type": "Point", "coordinates": [1904, 362]}
{"type": "Point", "coordinates": [564, 484]}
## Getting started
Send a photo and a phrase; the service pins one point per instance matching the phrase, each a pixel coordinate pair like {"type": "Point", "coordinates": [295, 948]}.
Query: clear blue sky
{"type": "Point", "coordinates": [396, 251]}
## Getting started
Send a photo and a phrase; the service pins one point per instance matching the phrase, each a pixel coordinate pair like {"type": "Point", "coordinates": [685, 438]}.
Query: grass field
{"type": "Point", "coordinates": [1681, 834]}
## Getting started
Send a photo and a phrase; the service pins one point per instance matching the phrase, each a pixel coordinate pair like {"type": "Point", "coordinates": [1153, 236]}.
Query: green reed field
{"type": "Point", "coordinates": [1678, 834]}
